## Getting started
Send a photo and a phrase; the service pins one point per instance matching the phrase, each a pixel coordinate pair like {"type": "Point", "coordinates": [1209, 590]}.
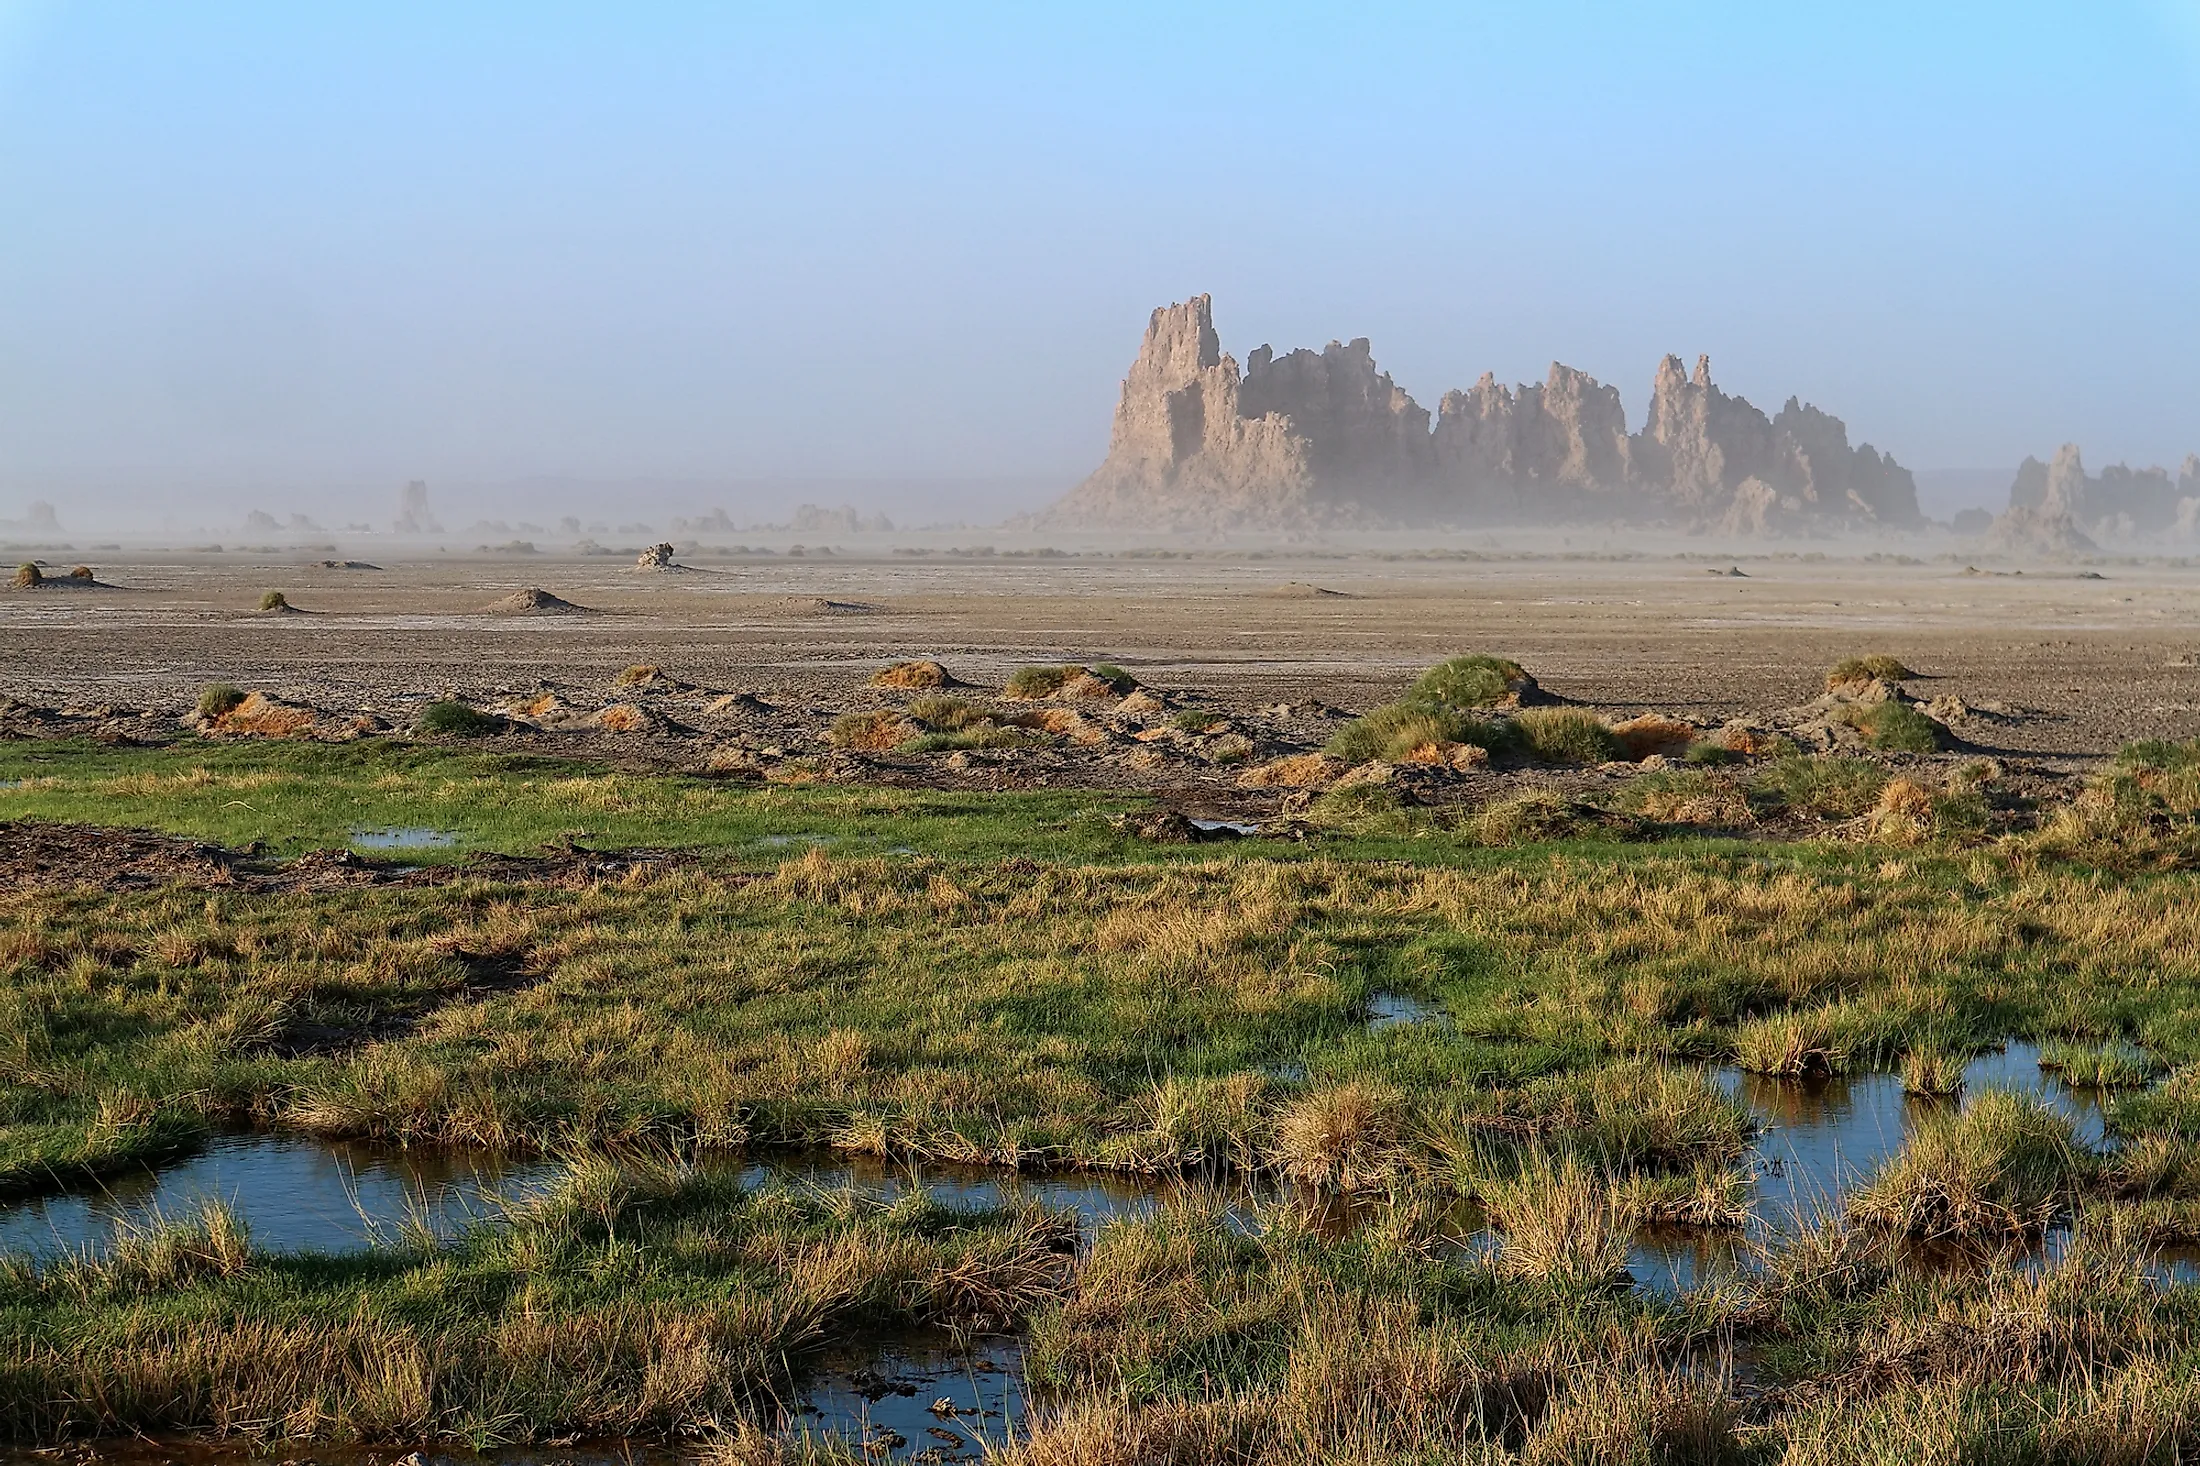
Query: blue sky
{"type": "Point", "coordinates": [336, 244]}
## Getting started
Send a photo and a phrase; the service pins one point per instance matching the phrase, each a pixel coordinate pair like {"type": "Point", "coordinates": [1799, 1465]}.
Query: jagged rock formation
{"type": "Point", "coordinates": [2123, 503]}
{"type": "Point", "coordinates": [1325, 438]}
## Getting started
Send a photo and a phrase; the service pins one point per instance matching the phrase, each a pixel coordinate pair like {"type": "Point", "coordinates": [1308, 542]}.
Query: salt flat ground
{"type": "Point", "coordinates": [2093, 655]}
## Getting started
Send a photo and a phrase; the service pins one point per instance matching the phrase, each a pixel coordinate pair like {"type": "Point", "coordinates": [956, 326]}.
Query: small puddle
{"type": "Point", "coordinates": [1233, 827]}
{"type": "Point", "coordinates": [781, 842]}
{"type": "Point", "coordinates": [1396, 1010]}
{"type": "Point", "coordinates": [408, 837]}
{"type": "Point", "coordinates": [912, 1402]}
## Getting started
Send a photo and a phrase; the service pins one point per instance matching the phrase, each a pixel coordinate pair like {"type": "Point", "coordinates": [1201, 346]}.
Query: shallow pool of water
{"type": "Point", "coordinates": [294, 1192]}
{"type": "Point", "coordinates": [405, 837]}
{"type": "Point", "coordinates": [1234, 827]}
{"type": "Point", "coordinates": [1393, 1010]}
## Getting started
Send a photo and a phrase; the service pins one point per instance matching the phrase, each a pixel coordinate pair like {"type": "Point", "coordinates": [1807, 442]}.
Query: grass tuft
{"type": "Point", "coordinates": [1894, 727]}
{"type": "Point", "coordinates": [274, 600]}
{"type": "Point", "coordinates": [1850, 671]}
{"type": "Point", "coordinates": [1567, 736]}
{"type": "Point", "coordinates": [1468, 682]}
{"type": "Point", "coordinates": [1030, 684]}
{"type": "Point", "coordinates": [217, 698]}
{"type": "Point", "coordinates": [917, 675]}
{"type": "Point", "coordinates": [1393, 732]}
{"type": "Point", "coordinates": [872, 732]}
{"type": "Point", "coordinates": [2006, 1165]}
{"type": "Point", "coordinates": [28, 574]}
{"type": "Point", "coordinates": [1824, 785]}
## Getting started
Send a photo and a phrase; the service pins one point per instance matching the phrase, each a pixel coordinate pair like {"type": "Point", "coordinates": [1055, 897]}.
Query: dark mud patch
{"type": "Point", "coordinates": [46, 855]}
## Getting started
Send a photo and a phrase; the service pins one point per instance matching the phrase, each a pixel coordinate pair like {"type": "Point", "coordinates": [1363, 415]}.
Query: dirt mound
{"type": "Point", "coordinates": [30, 575]}
{"type": "Point", "coordinates": [532, 602]}
{"type": "Point", "coordinates": [1300, 590]}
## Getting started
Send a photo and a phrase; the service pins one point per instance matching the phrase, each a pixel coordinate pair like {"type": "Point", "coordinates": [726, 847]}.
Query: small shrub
{"type": "Point", "coordinates": [82, 572]}
{"type": "Point", "coordinates": [274, 600]}
{"type": "Point", "coordinates": [1029, 684]}
{"type": "Point", "coordinates": [1567, 736]}
{"type": "Point", "coordinates": [27, 575]}
{"type": "Point", "coordinates": [1895, 727]}
{"type": "Point", "coordinates": [217, 698]}
{"type": "Point", "coordinates": [639, 675]}
{"type": "Point", "coordinates": [1842, 788]}
{"type": "Point", "coordinates": [1850, 671]}
{"type": "Point", "coordinates": [1195, 720]}
{"type": "Point", "coordinates": [874, 732]}
{"type": "Point", "coordinates": [1470, 682]}
{"type": "Point", "coordinates": [915, 675]}
{"type": "Point", "coordinates": [453, 719]}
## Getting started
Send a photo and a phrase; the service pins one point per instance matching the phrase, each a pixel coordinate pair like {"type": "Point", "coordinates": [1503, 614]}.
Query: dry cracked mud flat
{"type": "Point", "coordinates": [2085, 657]}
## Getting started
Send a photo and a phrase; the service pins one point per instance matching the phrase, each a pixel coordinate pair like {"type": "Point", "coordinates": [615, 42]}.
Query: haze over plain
{"type": "Point", "coordinates": [261, 255]}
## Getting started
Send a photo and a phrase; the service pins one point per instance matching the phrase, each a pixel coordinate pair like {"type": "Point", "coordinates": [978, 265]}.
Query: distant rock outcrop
{"type": "Point", "coordinates": [2123, 503]}
{"type": "Point", "coordinates": [1309, 438]}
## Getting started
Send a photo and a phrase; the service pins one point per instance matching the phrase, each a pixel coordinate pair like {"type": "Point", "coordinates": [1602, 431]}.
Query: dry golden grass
{"type": "Point", "coordinates": [1640, 737]}
{"type": "Point", "coordinates": [877, 732]}
{"type": "Point", "coordinates": [915, 676]}
{"type": "Point", "coordinates": [1296, 771]}
{"type": "Point", "coordinates": [261, 716]}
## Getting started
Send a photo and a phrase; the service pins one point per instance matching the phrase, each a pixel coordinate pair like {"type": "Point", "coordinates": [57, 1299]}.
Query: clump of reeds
{"type": "Point", "coordinates": [1934, 1073]}
{"type": "Point", "coordinates": [1392, 733]}
{"type": "Point", "coordinates": [2005, 1165]}
{"type": "Point", "coordinates": [2099, 1066]}
{"type": "Point", "coordinates": [1558, 1220]}
{"type": "Point", "coordinates": [1850, 671]}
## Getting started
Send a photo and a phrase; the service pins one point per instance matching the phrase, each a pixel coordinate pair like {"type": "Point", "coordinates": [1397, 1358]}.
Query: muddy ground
{"type": "Point", "coordinates": [2077, 659]}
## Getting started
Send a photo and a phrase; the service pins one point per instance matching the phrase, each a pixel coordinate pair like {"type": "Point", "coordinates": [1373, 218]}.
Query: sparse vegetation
{"type": "Point", "coordinates": [1119, 681]}
{"type": "Point", "coordinates": [450, 718]}
{"type": "Point", "coordinates": [1196, 721]}
{"type": "Point", "coordinates": [1827, 786]}
{"type": "Point", "coordinates": [641, 674]}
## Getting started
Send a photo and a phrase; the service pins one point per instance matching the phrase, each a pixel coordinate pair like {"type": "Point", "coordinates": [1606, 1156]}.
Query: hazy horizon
{"type": "Point", "coordinates": [264, 257]}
